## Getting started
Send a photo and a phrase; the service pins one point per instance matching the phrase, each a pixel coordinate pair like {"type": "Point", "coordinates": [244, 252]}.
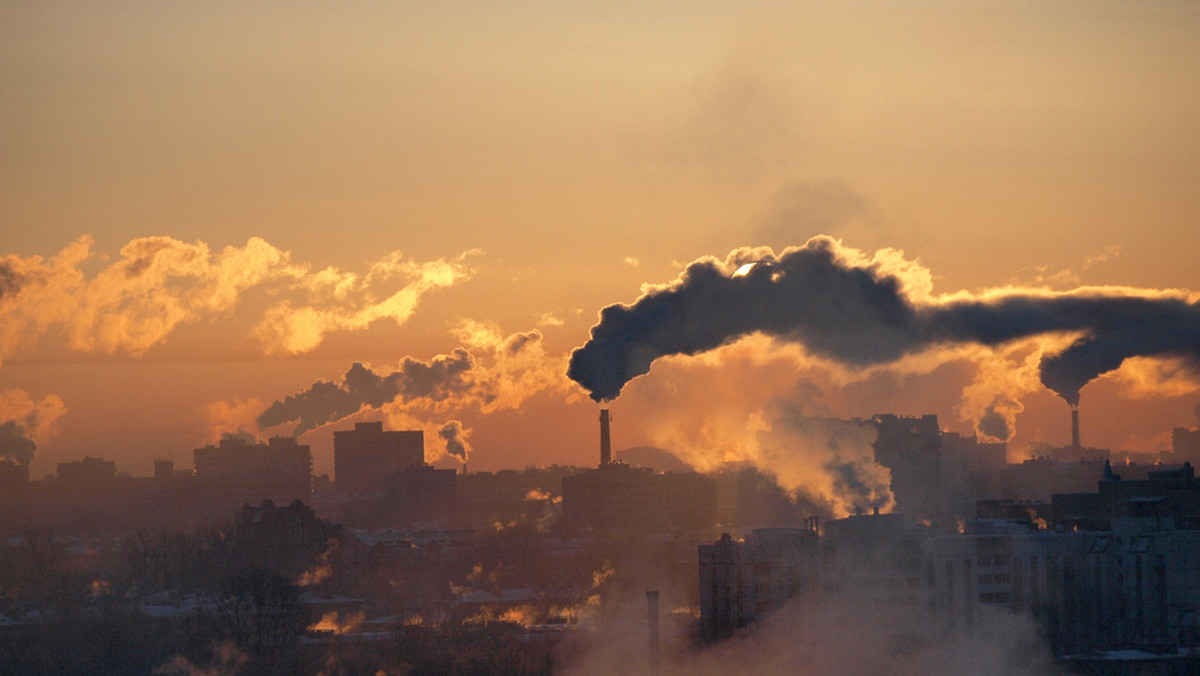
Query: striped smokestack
{"type": "Point", "coordinates": [1074, 427]}
{"type": "Point", "coordinates": [605, 442]}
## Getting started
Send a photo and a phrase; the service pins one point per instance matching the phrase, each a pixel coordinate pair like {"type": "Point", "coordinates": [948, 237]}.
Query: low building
{"type": "Point", "coordinates": [420, 493]}
{"type": "Point", "coordinates": [617, 496]}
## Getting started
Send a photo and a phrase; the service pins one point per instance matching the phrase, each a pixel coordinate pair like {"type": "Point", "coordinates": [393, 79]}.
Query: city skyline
{"type": "Point", "coordinates": [207, 214]}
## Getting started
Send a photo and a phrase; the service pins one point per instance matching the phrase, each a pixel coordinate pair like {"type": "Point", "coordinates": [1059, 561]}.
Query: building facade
{"type": "Point", "coordinates": [1130, 578]}
{"type": "Point", "coordinates": [362, 457]}
{"type": "Point", "coordinates": [237, 471]}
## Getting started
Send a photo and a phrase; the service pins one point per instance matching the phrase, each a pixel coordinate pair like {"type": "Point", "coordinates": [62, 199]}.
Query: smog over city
{"type": "Point", "coordinates": [769, 338]}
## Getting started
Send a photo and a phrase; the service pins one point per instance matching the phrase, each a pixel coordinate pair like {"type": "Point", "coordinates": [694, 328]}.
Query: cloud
{"type": "Point", "coordinates": [1046, 276]}
{"type": "Point", "coordinates": [158, 283]}
{"type": "Point", "coordinates": [350, 305]}
{"type": "Point", "coordinates": [860, 312]}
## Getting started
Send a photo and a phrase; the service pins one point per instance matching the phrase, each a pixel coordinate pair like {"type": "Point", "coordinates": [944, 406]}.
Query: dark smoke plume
{"type": "Point", "coordinates": [15, 443]}
{"type": "Point", "coordinates": [993, 424]}
{"type": "Point", "coordinates": [455, 436]}
{"type": "Point", "coordinates": [440, 378]}
{"type": "Point", "coordinates": [860, 315]}
{"type": "Point", "coordinates": [10, 280]}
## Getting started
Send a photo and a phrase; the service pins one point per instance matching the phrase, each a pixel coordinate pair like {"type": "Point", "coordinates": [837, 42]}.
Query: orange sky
{"type": "Point", "coordinates": [273, 192]}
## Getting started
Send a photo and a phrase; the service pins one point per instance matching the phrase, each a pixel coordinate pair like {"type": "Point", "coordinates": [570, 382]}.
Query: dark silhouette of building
{"type": "Point", "coordinates": [88, 470]}
{"type": "Point", "coordinates": [911, 448]}
{"type": "Point", "coordinates": [14, 494]}
{"type": "Point", "coordinates": [620, 496]}
{"type": "Point", "coordinates": [747, 498]}
{"type": "Point", "coordinates": [14, 476]}
{"type": "Point", "coordinates": [1185, 442]}
{"type": "Point", "coordinates": [362, 457]}
{"type": "Point", "coordinates": [238, 471]}
{"type": "Point", "coordinates": [287, 540]}
{"type": "Point", "coordinates": [615, 495]}
{"type": "Point", "coordinates": [526, 496]}
{"type": "Point", "coordinates": [741, 581]}
{"type": "Point", "coordinates": [420, 493]}
{"type": "Point", "coordinates": [1115, 569]}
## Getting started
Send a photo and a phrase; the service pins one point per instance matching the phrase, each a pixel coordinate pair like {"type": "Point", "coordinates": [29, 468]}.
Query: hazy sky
{"type": "Point", "coordinates": [272, 192]}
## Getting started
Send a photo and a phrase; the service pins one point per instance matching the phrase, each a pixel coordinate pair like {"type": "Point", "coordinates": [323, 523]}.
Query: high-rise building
{"type": "Point", "coordinates": [362, 457]}
{"type": "Point", "coordinates": [1118, 568]}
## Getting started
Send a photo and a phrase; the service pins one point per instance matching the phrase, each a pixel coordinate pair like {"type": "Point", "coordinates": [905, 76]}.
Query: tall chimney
{"type": "Point", "coordinates": [605, 442]}
{"type": "Point", "coordinates": [652, 628]}
{"type": "Point", "coordinates": [1074, 427]}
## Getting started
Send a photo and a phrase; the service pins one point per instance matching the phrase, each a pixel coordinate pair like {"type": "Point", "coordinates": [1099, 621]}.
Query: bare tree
{"type": "Point", "coordinates": [260, 611]}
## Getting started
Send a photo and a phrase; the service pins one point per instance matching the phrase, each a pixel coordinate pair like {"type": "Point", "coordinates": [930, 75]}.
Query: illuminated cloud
{"type": "Point", "coordinates": [515, 366]}
{"type": "Point", "coordinates": [159, 283]}
{"type": "Point", "coordinates": [862, 312]}
{"type": "Point", "coordinates": [342, 302]}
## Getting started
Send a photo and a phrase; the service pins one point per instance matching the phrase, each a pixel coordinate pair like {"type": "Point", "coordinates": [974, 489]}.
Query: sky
{"type": "Point", "coordinates": [210, 212]}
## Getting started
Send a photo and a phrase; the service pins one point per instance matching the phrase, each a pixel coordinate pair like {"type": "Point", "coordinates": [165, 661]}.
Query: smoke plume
{"type": "Point", "coordinates": [15, 444]}
{"type": "Point", "coordinates": [745, 404]}
{"type": "Point", "coordinates": [435, 380]}
{"type": "Point", "coordinates": [495, 371]}
{"type": "Point", "coordinates": [455, 436]}
{"type": "Point", "coordinates": [861, 312]}
{"type": "Point", "coordinates": [25, 420]}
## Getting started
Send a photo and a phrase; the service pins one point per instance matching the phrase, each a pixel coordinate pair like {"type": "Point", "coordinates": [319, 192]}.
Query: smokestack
{"type": "Point", "coordinates": [652, 628]}
{"type": "Point", "coordinates": [605, 441]}
{"type": "Point", "coordinates": [1074, 427]}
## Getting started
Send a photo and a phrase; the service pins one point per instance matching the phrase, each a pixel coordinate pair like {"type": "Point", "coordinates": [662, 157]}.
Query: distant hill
{"type": "Point", "coordinates": [656, 458]}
